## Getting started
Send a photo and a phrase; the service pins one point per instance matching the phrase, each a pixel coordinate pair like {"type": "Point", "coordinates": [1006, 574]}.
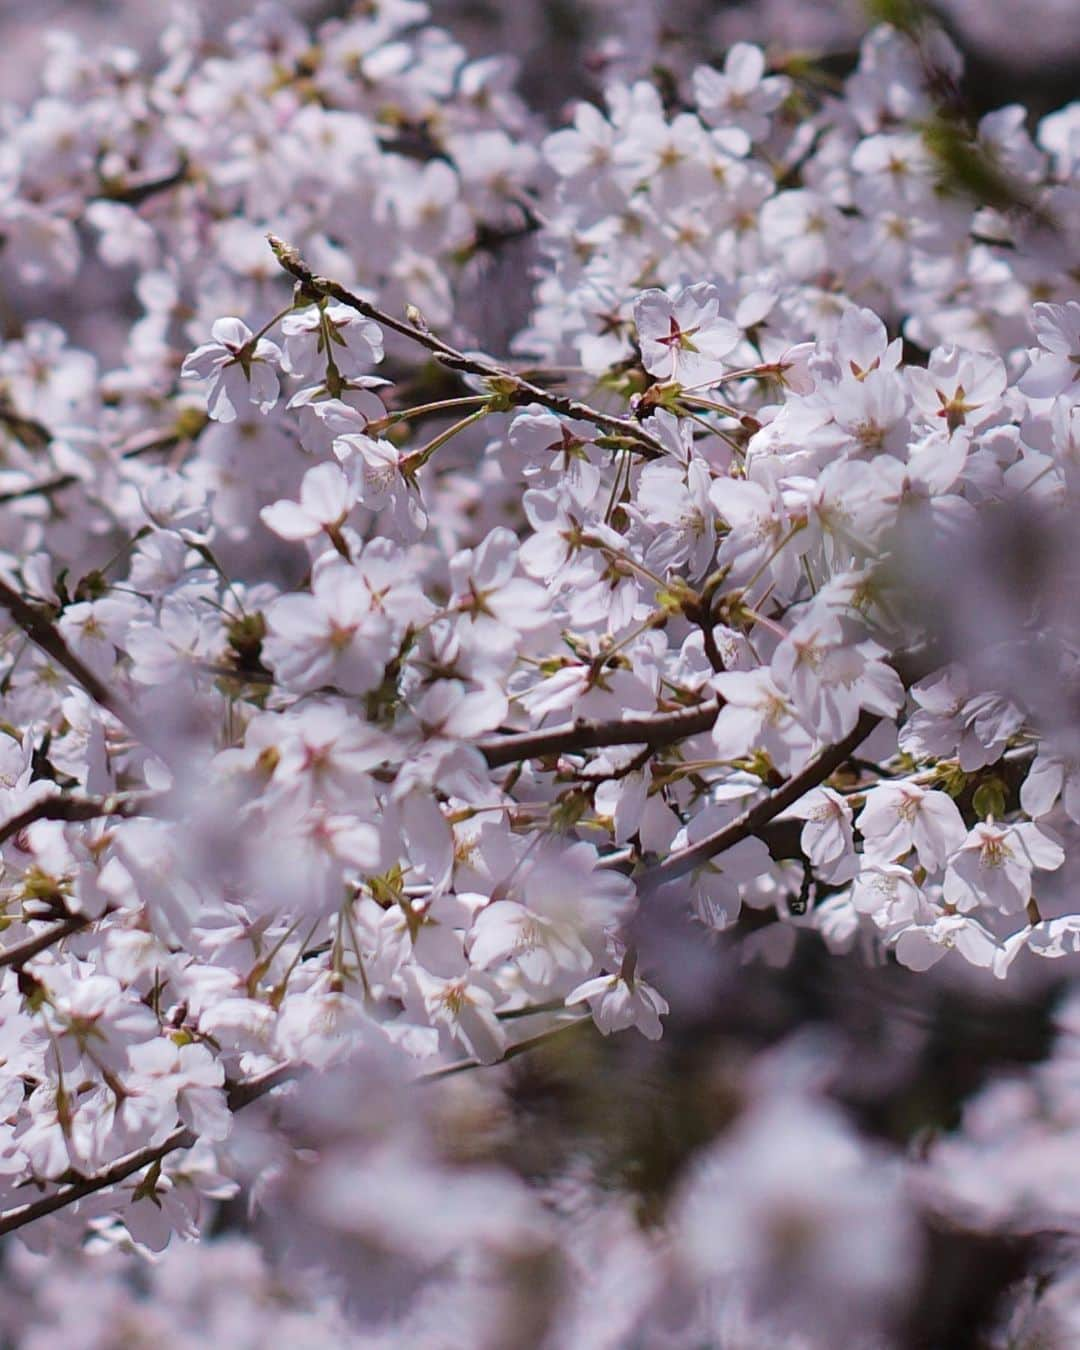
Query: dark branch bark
{"type": "Point", "coordinates": [753, 820]}
{"type": "Point", "coordinates": [239, 1096]}
{"type": "Point", "coordinates": [31, 433]}
{"type": "Point", "coordinates": [139, 191]}
{"type": "Point", "coordinates": [654, 729]}
{"type": "Point", "coordinates": [44, 634]}
{"type": "Point", "coordinates": [512, 1052]}
{"type": "Point", "coordinates": [22, 952]}
{"type": "Point", "coordinates": [72, 809]}
{"type": "Point", "coordinates": [133, 449]}
{"type": "Point", "coordinates": [76, 808]}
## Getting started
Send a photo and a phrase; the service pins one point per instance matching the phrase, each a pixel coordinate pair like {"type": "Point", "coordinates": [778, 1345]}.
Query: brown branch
{"type": "Point", "coordinates": [910, 665]}
{"type": "Point", "coordinates": [46, 488]}
{"type": "Point", "coordinates": [22, 952]}
{"type": "Point", "coordinates": [28, 431]}
{"type": "Point", "coordinates": [237, 673]}
{"type": "Point", "coordinates": [239, 1095]}
{"type": "Point", "coordinates": [69, 809]}
{"type": "Point", "coordinates": [41, 631]}
{"type": "Point", "coordinates": [113, 1174]}
{"type": "Point", "coordinates": [141, 190]}
{"type": "Point", "coordinates": [512, 1052]}
{"type": "Point", "coordinates": [653, 729]}
{"type": "Point", "coordinates": [244, 1093]}
{"type": "Point", "coordinates": [521, 390]}
{"type": "Point", "coordinates": [75, 809]}
{"type": "Point", "coordinates": [761, 813]}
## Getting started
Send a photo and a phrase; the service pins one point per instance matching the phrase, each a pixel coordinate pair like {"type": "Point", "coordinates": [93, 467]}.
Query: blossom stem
{"type": "Point", "coordinates": [781, 544]}
{"type": "Point", "coordinates": [270, 323]}
{"type": "Point", "coordinates": [592, 541]}
{"type": "Point", "coordinates": [418, 458]}
{"type": "Point", "coordinates": [422, 410]}
{"type": "Point", "coordinates": [712, 405]}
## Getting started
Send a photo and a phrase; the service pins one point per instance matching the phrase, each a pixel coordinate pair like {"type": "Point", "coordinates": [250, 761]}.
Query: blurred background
{"type": "Point", "coordinates": [1024, 51]}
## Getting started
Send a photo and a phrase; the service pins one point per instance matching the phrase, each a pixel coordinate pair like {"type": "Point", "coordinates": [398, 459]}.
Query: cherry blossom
{"type": "Point", "coordinates": [326, 497]}
{"type": "Point", "coordinates": [681, 656]}
{"type": "Point", "coordinates": [740, 96]}
{"type": "Point", "coordinates": [993, 866]}
{"type": "Point", "coordinates": [903, 816]}
{"type": "Point", "coordinates": [334, 636]}
{"type": "Point", "coordinates": [1056, 361]}
{"type": "Point", "coordinates": [683, 337]}
{"type": "Point", "coordinates": [239, 367]}
{"type": "Point", "coordinates": [321, 336]}
{"type": "Point", "coordinates": [619, 1001]}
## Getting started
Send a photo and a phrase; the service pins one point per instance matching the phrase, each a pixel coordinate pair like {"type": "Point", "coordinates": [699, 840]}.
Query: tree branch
{"type": "Point", "coordinates": [44, 634]}
{"type": "Point", "coordinates": [653, 729]}
{"type": "Point", "coordinates": [757, 816]}
{"type": "Point", "coordinates": [75, 809]}
{"type": "Point", "coordinates": [512, 1052]}
{"type": "Point", "coordinates": [522, 390]}
{"type": "Point", "coordinates": [28, 431]}
{"type": "Point", "coordinates": [45, 488]}
{"type": "Point", "coordinates": [22, 952]}
{"type": "Point", "coordinates": [71, 809]}
{"type": "Point", "coordinates": [139, 191]}
{"type": "Point", "coordinates": [239, 1095]}
{"type": "Point", "coordinates": [133, 449]}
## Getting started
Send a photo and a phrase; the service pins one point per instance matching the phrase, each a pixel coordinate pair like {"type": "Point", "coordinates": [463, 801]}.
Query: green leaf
{"type": "Point", "coordinates": [989, 799]}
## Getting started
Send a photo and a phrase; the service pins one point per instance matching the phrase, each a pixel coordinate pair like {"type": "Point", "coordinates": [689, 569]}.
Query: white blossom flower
{"type": "Point", "coordinates": [993, 866]}
{"type": "Point", "coordinates": [334, 636]}
{"type": "Point", "coordinates": [739, 96]}
{"type": "Point", "coordinates": [326, 498]}
{"type": "Point", "coordinates": [898, 817]}
{"type": "Point", "coordinates": [321, 335]}
{"type": "Point", "coordinates": [920, 946]}
{"type": "Point", "coordinates": [618, 1002]}
{"type": "Point", "coordinates": [1055, 363]}
{"type": "Point", "coordinates": [683, 337]}
{"type": "Point", "coordinates": [239, 368]}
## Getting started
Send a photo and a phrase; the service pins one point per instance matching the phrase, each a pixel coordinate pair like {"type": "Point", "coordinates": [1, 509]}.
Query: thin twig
{"type": "Point", "coordinates": [46, 488]}
{"type": "Point", "coordinates": [521, 390]}
{"type": "Point", "coordinates": [77, 808]}
{"type": "Point", "coordinates": [521, 1048]}
{"type": "Point", "coordinates": [141, 190]}
{"type": "Point", "coordinates": [239, 1095]}
{"type": "Point", "coordinates": [133, 449]}
{"type": "Point", "coordinates": [69, 809]}
{"type": "Point", "coordinates": [44, 634]}
{"type": "Point", "coordinates": [28, 431]}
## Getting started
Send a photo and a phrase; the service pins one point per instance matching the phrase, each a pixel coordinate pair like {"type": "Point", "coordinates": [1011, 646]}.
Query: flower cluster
{"type": "Point", "coordinates": [371, 699]}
